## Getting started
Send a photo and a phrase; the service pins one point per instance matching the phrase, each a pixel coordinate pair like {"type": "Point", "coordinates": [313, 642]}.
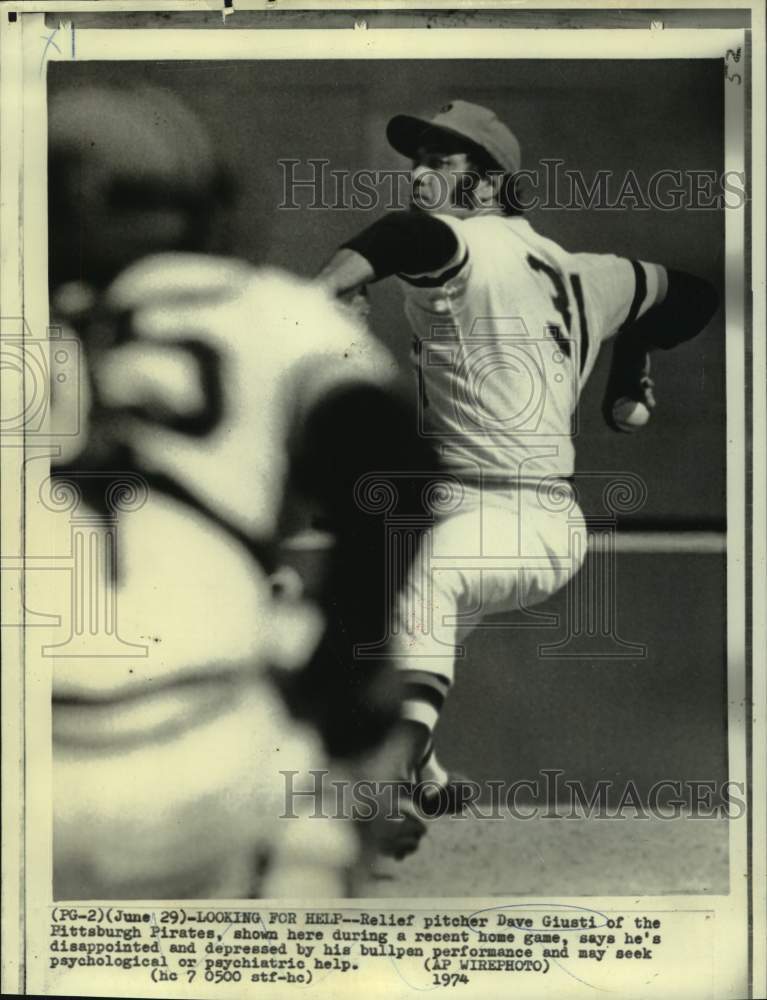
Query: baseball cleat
{"type": "Point", "coordinates": [439, 792]}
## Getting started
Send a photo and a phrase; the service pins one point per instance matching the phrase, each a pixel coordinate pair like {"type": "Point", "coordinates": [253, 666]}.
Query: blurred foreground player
{"type": "Point", "coordinates": [236, 404]}
{"type": "Point", "coordinates": [506, 327]}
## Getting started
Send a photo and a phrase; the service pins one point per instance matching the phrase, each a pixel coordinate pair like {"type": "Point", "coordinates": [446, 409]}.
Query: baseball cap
{"type": "Point", "coordinates": [458, 119]}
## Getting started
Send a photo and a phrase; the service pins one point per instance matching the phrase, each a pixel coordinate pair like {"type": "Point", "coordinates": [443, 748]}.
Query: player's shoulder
{"type": "Point", "coordinates": [282, 320]}
{"type": "Point", "coordinates": [269, 298]}
{"type": "Point", "coordinates": [159, 277]}
{"type": "Point", "coordinates": [494, 230]}
{"type": "Point", "coordinates": [186, 276]}
{"type": "Point", "coordinates": [480, 221]}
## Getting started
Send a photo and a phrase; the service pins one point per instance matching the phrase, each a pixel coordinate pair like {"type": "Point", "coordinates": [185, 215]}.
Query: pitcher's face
{"type": "Point", "coordinates": [443, 182]}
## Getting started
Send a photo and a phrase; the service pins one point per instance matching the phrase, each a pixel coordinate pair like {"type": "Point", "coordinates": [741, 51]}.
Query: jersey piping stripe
{"type": "Point", "coordinates": [440, 279]}
{"type": "Point", "coordinates": [511, 482]}
{"type": "Point", "coordinates": [639, 292]}
{"type": "Point", "coordinates": [438, 682]}
{"type": "Point", "coordinates": [428, 695]}
{"type": "Point", "coordinates": [578, 290]}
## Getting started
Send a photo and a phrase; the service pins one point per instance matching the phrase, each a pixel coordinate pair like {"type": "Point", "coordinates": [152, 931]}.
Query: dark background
{"type": "Point", "coordinates": [513, 713]}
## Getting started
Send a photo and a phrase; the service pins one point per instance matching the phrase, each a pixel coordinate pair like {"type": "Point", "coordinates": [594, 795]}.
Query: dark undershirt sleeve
{"type": "Point", "coordinates": [689, 304]}
{"type": "Point", "coordinates": [406, 242]}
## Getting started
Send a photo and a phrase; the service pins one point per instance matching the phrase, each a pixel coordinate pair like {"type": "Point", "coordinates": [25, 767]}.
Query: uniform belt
{"type": "Point", "coordinates": [507, 483]}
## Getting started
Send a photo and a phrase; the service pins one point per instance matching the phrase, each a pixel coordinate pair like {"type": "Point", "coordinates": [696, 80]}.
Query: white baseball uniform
{"type": "Point", "coordinates": [505, 337]}
{"type": "Point", "coordinates": [168, 744]}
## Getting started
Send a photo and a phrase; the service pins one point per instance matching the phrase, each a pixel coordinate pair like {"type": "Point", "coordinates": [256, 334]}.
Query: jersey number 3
{"type": "Point", "coordinates": [561, 303]}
